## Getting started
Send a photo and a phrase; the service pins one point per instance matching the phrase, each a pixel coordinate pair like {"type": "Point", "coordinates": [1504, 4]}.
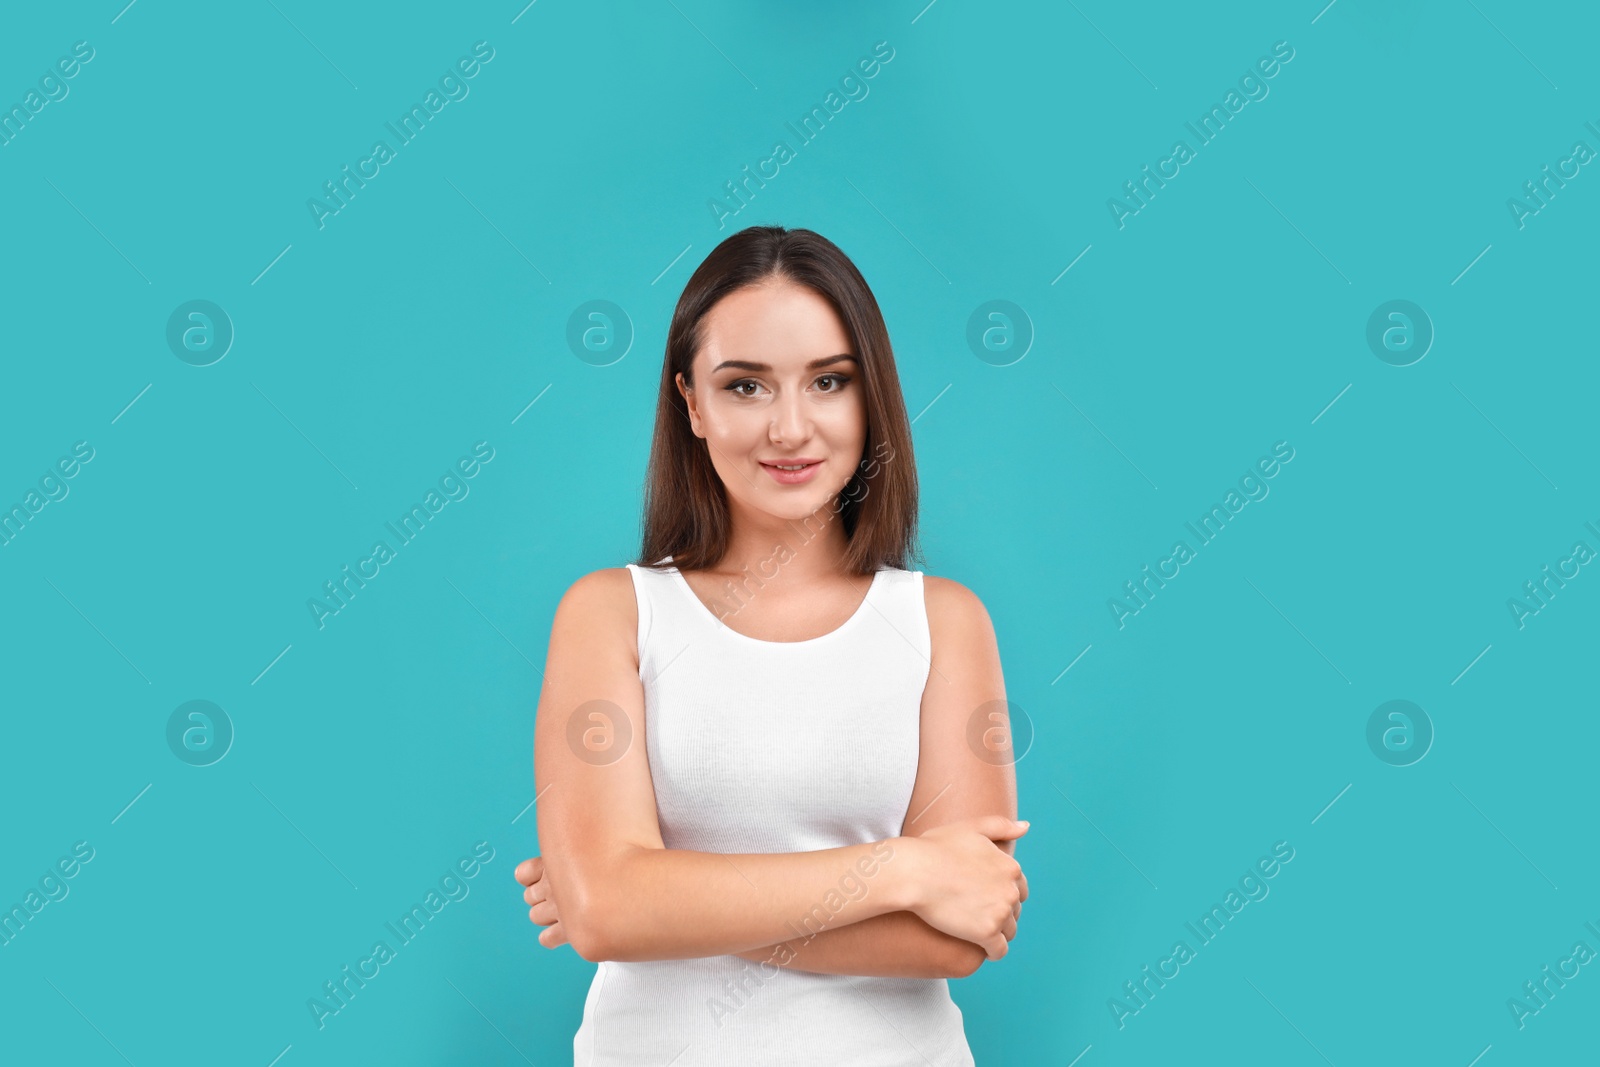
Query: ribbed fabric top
{"type": "Point", "coordinates": [774, 746]}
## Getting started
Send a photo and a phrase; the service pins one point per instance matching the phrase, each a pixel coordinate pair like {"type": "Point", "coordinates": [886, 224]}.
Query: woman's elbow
{"type": "Point", "coordinates": [586, 928]}
{"type": "Point", "coordinates": [589, 936]}
{"type": "Point", "coordinates": [966, 960]}
{"type": "Point", "coordinates": [588, 948]}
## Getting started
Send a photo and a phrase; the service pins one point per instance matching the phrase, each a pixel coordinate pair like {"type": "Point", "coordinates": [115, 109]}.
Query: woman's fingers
{"type": "Point", "coordinates": [530, 870]}
{"type": "Point", "coordinates": [538, 891]}
{"type": "Point", "coordinates": [554, 937]}
{"type": "Point", "coordinates": [542, 909]}
{"type": "Point", "coordinates": [998, 827]}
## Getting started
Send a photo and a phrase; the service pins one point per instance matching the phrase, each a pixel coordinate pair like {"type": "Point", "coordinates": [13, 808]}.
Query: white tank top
{"type": "Point", "coordinates": [774, 746]}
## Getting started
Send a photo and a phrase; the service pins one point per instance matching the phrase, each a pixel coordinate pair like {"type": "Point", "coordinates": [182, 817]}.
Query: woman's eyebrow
{"type": "Point", "coordinates": [744, 364]}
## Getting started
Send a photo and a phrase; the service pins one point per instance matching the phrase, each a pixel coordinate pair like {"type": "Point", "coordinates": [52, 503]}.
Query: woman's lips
{"type": "Point", "coordinates": [783, 477]}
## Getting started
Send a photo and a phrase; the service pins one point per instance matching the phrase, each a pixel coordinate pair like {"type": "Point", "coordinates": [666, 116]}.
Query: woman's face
{"type": "Point", "coordinates": [777, 383]}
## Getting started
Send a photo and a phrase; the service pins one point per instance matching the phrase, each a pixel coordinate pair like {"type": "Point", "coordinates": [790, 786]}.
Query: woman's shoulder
{"type": "Point", "coordinates": [960, 631]}
{"type": "Point", "coordinates": [952, 604]}
{"type": "Point", "coordinates": [948, 591]}
{"type": "Point", "coordinates": [605, 594]}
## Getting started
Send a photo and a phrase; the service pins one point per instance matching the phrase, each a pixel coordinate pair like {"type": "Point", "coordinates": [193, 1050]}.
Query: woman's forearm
{"type": "Point", "coordinates": [658, 904]}
{"type": "Point", "coordinates": [894, 945]}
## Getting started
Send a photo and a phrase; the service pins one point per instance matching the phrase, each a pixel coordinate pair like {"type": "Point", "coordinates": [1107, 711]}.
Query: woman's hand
{"type": "Point", "coordinates": [962, 884]}
{"type": "Point", "coordinates": [530, 872]}
{"type": "Point", "coordinates": [965, 884]}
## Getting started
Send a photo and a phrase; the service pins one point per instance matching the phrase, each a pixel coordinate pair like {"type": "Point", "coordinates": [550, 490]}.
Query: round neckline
{"type": "Point", "coordinates": [861, 609]}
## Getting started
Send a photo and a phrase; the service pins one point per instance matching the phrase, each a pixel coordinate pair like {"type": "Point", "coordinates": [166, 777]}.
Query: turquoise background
{"type": "Point", "coordinates": [430, 313]}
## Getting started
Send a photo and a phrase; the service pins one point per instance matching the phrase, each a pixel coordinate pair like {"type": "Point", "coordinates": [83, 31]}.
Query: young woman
{"type": "Point", "coordinates": [776, 803]}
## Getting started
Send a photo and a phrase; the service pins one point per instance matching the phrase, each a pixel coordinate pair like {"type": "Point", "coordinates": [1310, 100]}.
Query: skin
{"type": "Point", "coordinates": [951, 895]}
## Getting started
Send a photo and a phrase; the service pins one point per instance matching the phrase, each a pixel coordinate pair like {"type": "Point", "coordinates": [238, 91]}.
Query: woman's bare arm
{"type": "Point", "coordinates": [621, 893]}
{"type": "Point", "coordinates": [965, 769]}
{"type": "Point", "coordinates": [896, 945]}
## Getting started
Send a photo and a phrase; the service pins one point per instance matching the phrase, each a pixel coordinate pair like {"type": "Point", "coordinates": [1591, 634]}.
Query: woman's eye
{"type": "Point", "coordinates": [739, 388]}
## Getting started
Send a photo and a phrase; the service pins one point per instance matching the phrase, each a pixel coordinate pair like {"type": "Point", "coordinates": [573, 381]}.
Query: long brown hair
{"type": "Point", "coordinates": [686, 507]}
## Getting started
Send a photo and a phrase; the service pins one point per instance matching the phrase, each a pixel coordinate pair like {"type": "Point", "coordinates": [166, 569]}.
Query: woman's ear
{"type": "Point", "coordinates": [689, 402]}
